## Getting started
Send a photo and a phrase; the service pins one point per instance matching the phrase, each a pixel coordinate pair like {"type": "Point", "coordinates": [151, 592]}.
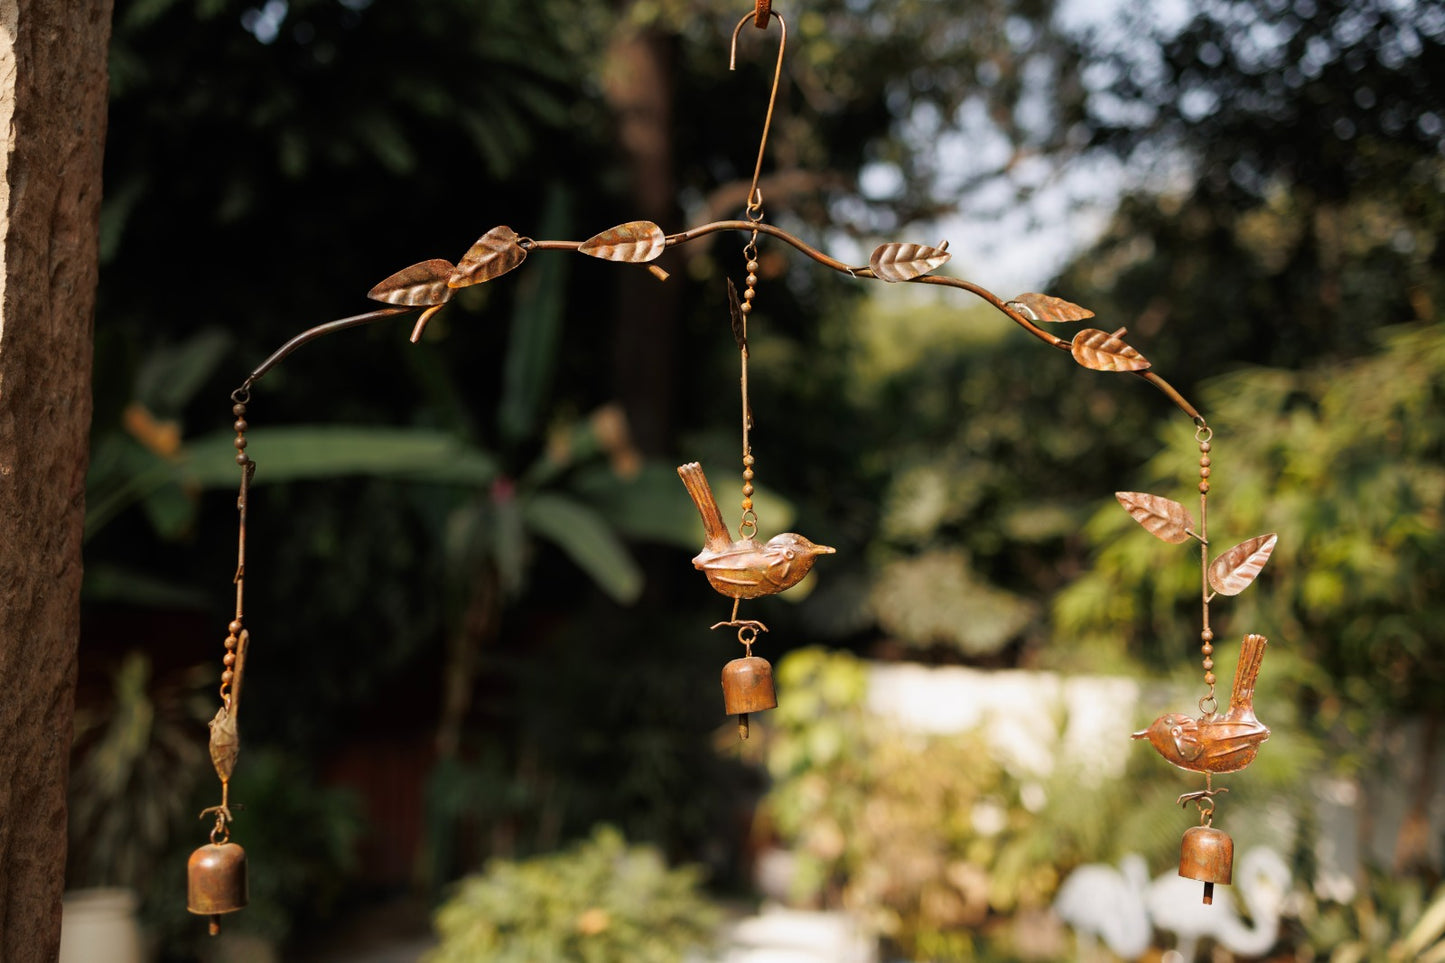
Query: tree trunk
{"type": "Point", "coordinates": [53, 91]}
{"type": "Point", "coordinates": [637, 83]}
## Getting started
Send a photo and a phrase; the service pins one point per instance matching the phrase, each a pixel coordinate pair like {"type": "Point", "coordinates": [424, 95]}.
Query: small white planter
{"type": "Point", "coordinates": [778, 935]}
{"type": "Point", "coordinates": [100, 926]}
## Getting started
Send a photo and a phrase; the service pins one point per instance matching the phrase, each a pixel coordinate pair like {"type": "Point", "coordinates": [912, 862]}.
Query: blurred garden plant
{"type": "Point", "coordinates": [603, 901]}
{"type": "Point", "coordinates": [1390, 920]}
{"type": "Point", "coordinates": [931, 839]}
{"type": "Point", "coordinates": [139, 772]}
{"type": "Point", "coordinates": [136, 763]}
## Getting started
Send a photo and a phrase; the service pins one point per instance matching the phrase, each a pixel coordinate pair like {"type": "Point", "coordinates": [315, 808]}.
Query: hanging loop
{"type": "Point", "coordinates": [760, 16]}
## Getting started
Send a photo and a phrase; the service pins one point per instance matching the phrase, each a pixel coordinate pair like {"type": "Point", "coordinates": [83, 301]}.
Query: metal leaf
{"type": "Point", "coordinates": [735, 308]}
{"type": "Point", "coordinates": [634, 242]}
{"type": "Point", "coordinates": [904, 262]}
{"type": "Point", "coordinates": [416, 286]}
{"type": "Point", "coordinates": [1232, 572]}
{"type": "Point", "coordinates": [494, 254]}
{"type": "Point", "coordinates": [225, 743]}
{"type": "Point", "coordinates": [1047, 308]}
{"type": "Point", "coordinates": [1163, 517]}
{"type": "Point", "coordinates": [1102, 351]}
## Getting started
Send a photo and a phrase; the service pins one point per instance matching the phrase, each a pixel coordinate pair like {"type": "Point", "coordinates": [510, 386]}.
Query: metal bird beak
{"type": "Point", "coordinates": [1141, 734]}
{"type": "Point", "coordinates": [824, 550]}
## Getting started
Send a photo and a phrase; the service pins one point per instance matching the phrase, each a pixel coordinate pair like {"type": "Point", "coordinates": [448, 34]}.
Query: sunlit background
{"type": "Point", "coordinates": [482, 717]}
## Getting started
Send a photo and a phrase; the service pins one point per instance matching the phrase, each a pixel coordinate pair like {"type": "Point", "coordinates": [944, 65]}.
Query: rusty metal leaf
{"type": "Point", "coordinates": [634, 242]}
{"type": "Point", "coordinates": [735, 309]}
{"type": "Point", "coordinates": [494, 254]}
{"type": "Point", "coordinates": [904, 262]}
{"type": "Point", "coordinates": [1103, 351]}
{"type": "Point", "coordinates": [1163, 517]}
{"type": "Point", "coordinates": [225, 743]}
{"type": "Point", "coordinates": [416, 286]}
{"type": "Point", "coordinates": [1049, 309]}
{"type": "Point", "coordinates": [1232, 572]}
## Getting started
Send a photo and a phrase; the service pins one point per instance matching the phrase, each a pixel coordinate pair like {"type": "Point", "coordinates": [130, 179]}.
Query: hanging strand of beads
{"type": "Point", "coordinates": [748, 527]}
{"type": "Point", "coordinates": [216, 874]}
{"type": "Point", "coordinates": [760, 17]}
{"type": "Point", "coordinates": [1208, 703]}
{"type": "Point", "coordinates": [1206, 634]}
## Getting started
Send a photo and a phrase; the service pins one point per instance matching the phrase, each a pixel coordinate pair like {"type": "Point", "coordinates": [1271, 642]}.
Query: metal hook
{"type": "Point", "coordinates": [762, 12]}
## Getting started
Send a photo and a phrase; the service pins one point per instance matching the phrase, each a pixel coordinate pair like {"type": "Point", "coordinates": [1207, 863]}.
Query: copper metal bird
{"type": "Point", "coordinates": [744, 568]}
{"type": "Point", "coordinates": [1216, 742]}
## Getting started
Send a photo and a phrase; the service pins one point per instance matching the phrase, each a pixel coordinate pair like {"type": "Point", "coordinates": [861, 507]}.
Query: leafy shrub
{"type": "Point", "coordinates": [603, 901]}
{"type": "Point", "coordinates": [931, 839]}
{"type": "Point", "coordinates": [1390, 919]}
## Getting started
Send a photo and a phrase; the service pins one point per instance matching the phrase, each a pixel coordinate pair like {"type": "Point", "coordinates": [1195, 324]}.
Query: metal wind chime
{"type": "Point", "coordinates": [743, 568]}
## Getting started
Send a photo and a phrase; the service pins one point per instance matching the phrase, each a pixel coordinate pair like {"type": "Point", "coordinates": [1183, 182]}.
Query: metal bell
{"type": "Point", "coordinates": [1207, 854]}
{"type": "Point", "coordinates": [216, 882]}
{"type": "Point", "coordinates": [747, 687]}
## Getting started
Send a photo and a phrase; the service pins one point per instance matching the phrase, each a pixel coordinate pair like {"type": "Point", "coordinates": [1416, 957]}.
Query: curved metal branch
{"type": "Point", "coordinates": [703, 230]}
{"type": "Point", "coordinates": [865, 271]}
{"type": "Point", "coordinates": [716, 227]}
{"type": "Point", "coordinates": [311, 334]}
{"type": "Point", "coordinates": [1173, 395]}
{"type": "Point", "coordinates": [1051, 340]}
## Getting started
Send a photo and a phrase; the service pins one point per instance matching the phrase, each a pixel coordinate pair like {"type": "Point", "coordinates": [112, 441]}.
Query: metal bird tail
{"type": "Point", "coordinates": [1251, 655]}
{"type": "Point", "coordinates": [715, 530]}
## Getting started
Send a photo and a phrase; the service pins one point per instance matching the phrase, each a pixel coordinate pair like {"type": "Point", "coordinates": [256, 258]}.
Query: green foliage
{"type": "Point", "coordinates": [300, 839]}
{"type": "Point", "coordinates": [975, 453]}
{"type": "Point", "coordinates": [139, 772]}
{"type": "Point", "coordinates": [1337, 89]}
{"type": "Point", "coordinates": [1390, 920]}
{"type": "Point", "coordinates": [586, 538]}
{"type": "Point", "coordinates": [933, 839]}
{"type": "Point", "coordinates": [1315, 180]}
{"type": "Point", "coordinates": [602, 901]}
{"type": "Point", "coordinates": [138, 757]}
{"type": "Point", "coordinates": [865, 85]}
{"type": "Point", "coordinates": [935, 597]}
{"type": "Point", "coordinates": [260, 169]}
{"type": "Point", "coordinates": [126, 472]}
{"type": "Point", "coordinates": [1345, 461]}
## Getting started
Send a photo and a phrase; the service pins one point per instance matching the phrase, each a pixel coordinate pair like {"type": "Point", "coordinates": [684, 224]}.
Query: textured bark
{"type": "Point", "coordinates": [53, 90]}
